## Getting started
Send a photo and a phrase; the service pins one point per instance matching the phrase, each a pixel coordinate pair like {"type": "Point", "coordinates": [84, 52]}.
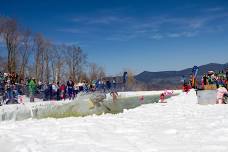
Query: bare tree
{"type": "Point", "coordinates": [131, 79]}
{"type": "Point", "coordinates": [9, 31]}
{"type": "Point", "coordinates": [41, 52]}
{"type": "Point", "coordinates": [47, 53]}
{"type": "Point", "coordinates": [93, 71]}
{"type": "Point", "coordinates": [25, 50]}
{"type": "Point", "coordinates": [38, 57]}
{"type": "Point", "coordinates": [101, 73]}
{"type": "Point", "coordinates": [83, 76]}
{"type": "Point", "coordinates": [131, 82]}
{"type": "Point", "coordinates": [38, 41]}
{"type": "Point", "coordinates": [76, 60]}
{"type": "Point", "coordinates": [58, 61]}
{"type": "Point", "coordinates": [96, 72]}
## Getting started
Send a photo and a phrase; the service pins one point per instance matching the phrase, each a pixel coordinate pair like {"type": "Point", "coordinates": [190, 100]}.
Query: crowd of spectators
{"type": "Point", "coordinates": [209, 81]}
{"type": "Point", "coordinates": [11, 87]}
{"type": "Point", "coordinates": [219, 79]}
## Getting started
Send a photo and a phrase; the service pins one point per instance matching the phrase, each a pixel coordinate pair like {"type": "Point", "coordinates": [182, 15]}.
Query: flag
{"type": "Point", "coordinates": [195, 70]}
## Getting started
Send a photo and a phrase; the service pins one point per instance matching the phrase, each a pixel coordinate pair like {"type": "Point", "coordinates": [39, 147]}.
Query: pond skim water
{"type": "Point", "coordinates": [81, 106]}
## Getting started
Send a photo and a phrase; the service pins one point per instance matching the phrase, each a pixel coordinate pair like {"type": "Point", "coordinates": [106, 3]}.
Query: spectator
{"type": "Point", "coordinates": [58, 91]}
{"type": "Point", "coordinates": [32, 89]}
{"type": "Point", "coordinates": [9, 90]}
{"type": "Point", "coordinates": [45, 90]}
{"type": "Point", "coordinates": [220, 95]}
{"type": "Point", "coordinates": [114, 83]}
{"type": "Point", "coordinates": [70, 88]}
{"type": "Point", "coordinates": [50, 91]}
{"type": "Point", "coordinates": [205, 79]}
{"type": "Point", "coordinates": [54, 90]}
{"type": "Point", "coordinates": [108, 85]}
{"type": "Point", "coordinates": [62, 92]}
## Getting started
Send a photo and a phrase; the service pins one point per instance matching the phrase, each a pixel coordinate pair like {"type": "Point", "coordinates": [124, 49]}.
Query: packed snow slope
{"type": "Point", "coordinates": [180, 125]}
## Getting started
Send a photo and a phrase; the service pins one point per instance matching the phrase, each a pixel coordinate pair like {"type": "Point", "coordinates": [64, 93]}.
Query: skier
{"type": "Point", "coordinates": [141, 99]}
{"type": "Point", "coordinates": [162, 97]}
{"type": "Point", "coordinates": [114, 96]}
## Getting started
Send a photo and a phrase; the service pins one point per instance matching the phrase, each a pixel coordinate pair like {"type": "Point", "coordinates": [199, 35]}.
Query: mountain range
{"type": "Point", "coordinates": [172, 79]}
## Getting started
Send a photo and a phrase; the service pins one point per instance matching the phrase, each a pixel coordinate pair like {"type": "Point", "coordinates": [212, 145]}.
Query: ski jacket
{"type": "Point", "coordinates": [32, 86]}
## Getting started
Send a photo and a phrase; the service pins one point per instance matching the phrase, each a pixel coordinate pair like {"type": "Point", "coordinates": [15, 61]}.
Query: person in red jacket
{"type": "Point", "coordinates": [186, 88]}
{"type": "Point", "coordinates": [62, 92]}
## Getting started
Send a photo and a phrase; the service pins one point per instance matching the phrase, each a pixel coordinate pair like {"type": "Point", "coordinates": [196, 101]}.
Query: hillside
{"type": "Point", "coordinates": [172, 79]}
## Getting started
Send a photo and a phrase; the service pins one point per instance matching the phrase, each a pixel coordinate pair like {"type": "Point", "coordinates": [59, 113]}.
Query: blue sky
{"type": "Point", "coordinates": [151, 35]}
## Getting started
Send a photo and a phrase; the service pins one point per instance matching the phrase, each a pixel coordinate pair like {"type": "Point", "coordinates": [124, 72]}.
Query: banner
{"type": "Point", "coordinates": [195, 70]}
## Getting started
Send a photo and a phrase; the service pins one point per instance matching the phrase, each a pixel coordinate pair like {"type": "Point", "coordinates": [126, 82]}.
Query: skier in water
{"type": "Point", "coordinates": [162, 97]}
{"type": "Point", "coordinates": [114, 96]}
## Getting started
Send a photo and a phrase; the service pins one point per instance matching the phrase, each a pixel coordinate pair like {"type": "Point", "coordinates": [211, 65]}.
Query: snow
{"type": "Point", "coordinates": [142, 93]}
{"type": "Point", "coordinates": [176, 126]}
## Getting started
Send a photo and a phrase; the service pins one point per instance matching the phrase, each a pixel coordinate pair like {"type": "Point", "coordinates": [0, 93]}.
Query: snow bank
{"type": "Point", "coordinates": [142, 93]}
{"type": "Point", "coordinates": [180, 125]}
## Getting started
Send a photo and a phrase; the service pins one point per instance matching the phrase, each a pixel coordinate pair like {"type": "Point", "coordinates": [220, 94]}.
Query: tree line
{"type": "Point", "coordinates": [33, 55]}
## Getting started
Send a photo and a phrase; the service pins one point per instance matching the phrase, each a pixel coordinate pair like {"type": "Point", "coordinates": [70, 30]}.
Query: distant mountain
{"type": "Point", "coordinates": [172, 79]}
